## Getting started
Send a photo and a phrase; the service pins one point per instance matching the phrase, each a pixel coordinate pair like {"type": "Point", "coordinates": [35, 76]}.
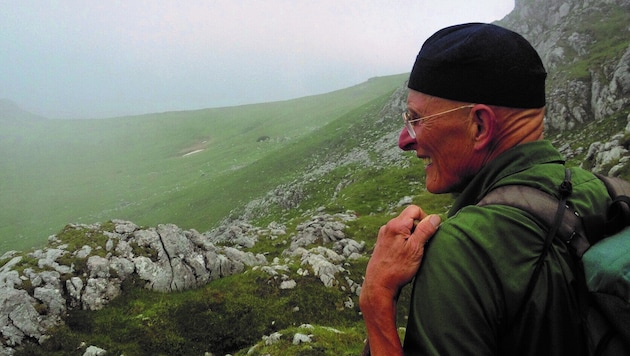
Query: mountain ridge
{"type": "Point", "coordinates": [11, 112]}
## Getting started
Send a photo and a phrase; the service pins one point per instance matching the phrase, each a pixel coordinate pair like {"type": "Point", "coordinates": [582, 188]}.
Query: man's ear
{"type": "Point", "coordinates": [485, 122]}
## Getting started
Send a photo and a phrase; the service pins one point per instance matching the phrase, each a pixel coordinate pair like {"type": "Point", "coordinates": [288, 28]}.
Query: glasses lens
{"type": "Point", "coordinates": [408, 125]}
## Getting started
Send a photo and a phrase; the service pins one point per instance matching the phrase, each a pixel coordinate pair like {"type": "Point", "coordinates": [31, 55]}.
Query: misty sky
{"type": "Point", "coordinates": [105, 58]}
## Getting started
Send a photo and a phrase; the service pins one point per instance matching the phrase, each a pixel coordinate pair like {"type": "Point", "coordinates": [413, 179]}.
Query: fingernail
{"type": "Point", "coordinates": [435, 220]}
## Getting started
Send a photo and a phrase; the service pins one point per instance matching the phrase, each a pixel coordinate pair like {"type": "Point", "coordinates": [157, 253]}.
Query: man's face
{"type": "Point", "coordinates": [444, 142]}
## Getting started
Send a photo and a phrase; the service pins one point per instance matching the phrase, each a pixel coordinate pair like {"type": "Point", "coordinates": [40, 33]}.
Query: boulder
{"type": "Point", "coordinates": [18, 317]}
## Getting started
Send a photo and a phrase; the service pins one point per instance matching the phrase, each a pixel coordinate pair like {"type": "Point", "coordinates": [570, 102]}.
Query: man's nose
{"type": "Point", "coordinates": [406, 142]}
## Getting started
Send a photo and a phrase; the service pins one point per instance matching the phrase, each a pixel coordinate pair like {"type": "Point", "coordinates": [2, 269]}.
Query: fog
{"type": "Point", "coordinates": [89, 59]}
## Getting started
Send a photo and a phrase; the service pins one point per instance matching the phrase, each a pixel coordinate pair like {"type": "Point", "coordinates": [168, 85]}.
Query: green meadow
{"type": "Point", "coordinates": [232, 314]}
{"type": "Point", "coordinates": [190, 168]}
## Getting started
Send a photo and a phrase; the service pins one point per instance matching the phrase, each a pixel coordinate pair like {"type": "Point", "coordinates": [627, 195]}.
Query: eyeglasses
{"type": "Point", "coordinates": [409, 121]}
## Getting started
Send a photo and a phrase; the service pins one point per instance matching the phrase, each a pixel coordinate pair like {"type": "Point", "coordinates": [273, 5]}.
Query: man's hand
{"type": "Point", "coordinates": [399, 249]}
{"type": "Point", "coordinates": [394, 262]}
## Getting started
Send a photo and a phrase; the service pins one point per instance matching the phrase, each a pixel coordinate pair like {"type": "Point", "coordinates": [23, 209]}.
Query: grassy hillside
{"type": "Point", "coordinates": [232, 314]}
{"type": "Point", "coordinates": [189, 168]}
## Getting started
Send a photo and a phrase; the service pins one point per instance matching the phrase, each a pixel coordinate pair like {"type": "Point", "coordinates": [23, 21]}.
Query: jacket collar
{"type": "Point", "coordinates": [514, 160]}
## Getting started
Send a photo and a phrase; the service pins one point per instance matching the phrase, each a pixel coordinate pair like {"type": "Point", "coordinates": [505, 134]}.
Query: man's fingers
{"type": "Point", "coordinates": [413, 212]}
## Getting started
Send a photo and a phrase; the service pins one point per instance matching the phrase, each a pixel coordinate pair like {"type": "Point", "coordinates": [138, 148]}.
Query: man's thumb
{"type": "Point", "coordinates": [427, 227]}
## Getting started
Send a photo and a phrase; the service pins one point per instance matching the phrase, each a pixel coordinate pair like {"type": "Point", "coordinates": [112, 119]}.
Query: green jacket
{"type": "Point", "coordinates": [476, 268]}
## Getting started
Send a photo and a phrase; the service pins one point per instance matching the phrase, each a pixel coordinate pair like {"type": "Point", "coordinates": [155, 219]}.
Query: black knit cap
{"type": "Point", "coordinates": [480, 63]}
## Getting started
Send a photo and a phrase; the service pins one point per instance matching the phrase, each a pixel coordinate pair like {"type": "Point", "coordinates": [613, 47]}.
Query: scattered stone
{"type": "Point", "coordinates": [94, 351]}
{"type": "Point", "coordinates": [290, 284]}
{"type": "Point", "coordinates": [302, 338]}
{"type": "Point", "coordinates": [272, 339]}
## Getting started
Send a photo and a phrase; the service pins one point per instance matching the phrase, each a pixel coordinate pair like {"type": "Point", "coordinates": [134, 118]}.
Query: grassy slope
{"type": "Point", "coordinates": [59, 171]}
{"type": "Point", "coordinates": [233, 313]}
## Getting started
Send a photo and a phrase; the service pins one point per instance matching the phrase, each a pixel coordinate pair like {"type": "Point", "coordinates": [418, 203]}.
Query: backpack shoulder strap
{"type": "Point", "coordinates": [553, 213]}
{"type": "Point", "coordinates": [544, 208]}
{"type": "Point", "coordinates": [618, 214]}
{"type": "Point", "coordinates": [537, 203]}
{"type": "Point", "coordinates": [616, 186]}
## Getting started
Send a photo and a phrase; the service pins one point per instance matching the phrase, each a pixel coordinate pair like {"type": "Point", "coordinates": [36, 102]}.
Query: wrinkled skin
{"type": "Point", "coordinates": [398, 245]}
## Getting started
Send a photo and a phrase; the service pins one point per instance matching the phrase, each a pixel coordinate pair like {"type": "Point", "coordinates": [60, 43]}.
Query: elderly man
{"type": "Point", "coordinates": [475, 110]}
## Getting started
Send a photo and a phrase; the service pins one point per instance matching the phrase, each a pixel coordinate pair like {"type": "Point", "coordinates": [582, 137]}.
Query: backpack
{"type": "Point", "coordinates": [602, 246]}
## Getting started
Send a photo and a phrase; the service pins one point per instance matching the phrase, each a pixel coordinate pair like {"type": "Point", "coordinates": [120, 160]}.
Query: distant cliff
{"type": "Point", "coordinates": [11, 113]}
{"type": "Point", "coordinates": [585, 46]}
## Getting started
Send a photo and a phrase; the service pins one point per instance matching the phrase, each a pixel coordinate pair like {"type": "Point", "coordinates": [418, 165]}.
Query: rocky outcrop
{"type": "Point", "coordinates": [585, 48]}
{"type": "Point", "coordinates": [586, 84]}
{"type": "Point", "coordinates": [38, 288]}
{"type": "Point", "coordinates": [324, 262]}
{"type": "Point", "coordinates": [608, 157]}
